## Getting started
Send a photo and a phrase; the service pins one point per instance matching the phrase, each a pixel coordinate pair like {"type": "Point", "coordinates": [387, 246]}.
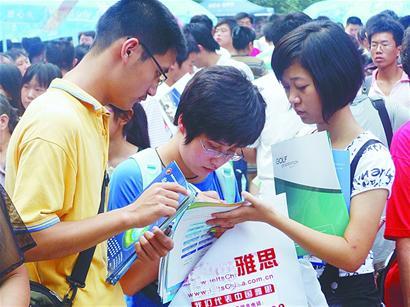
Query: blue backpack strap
{"type": "Point", "coordinates": [149, 164]}
{"type": "Point", "coordinates": [227, 181]}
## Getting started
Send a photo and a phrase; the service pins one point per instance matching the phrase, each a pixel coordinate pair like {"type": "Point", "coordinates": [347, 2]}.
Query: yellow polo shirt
{"type": "Point", "coordinates": [55, 164]}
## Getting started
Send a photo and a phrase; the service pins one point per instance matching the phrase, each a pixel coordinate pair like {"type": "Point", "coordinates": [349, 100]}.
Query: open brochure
{"type": "Point", "coordinates": [253, 264]}
{"type": "Point", "coordinates": [121, 252]}
{"type": "Point", "coordinates": [192, 238]}
{"type": "Point", "coordinates": [306, 171]}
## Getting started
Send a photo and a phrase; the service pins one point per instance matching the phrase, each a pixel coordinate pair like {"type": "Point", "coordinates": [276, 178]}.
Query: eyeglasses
{"type": "Point", "coordinates": [383, 46]}
{"type": "Point", "coordinates": [162, 77]}
{"type": "Point", "coordinates": [233, 156]}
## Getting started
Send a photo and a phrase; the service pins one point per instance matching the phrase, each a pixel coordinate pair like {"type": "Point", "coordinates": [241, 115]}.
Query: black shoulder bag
{"type": "Point", "coordinates": [330, 280]}
{"type": "Point", "coordinates": [41, 296]}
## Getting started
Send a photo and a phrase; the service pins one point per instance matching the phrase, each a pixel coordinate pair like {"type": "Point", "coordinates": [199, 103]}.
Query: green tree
{"type": "Point", "coordinates": [288, 6]}
{"type": "Point", "coordinates": [283, 6]}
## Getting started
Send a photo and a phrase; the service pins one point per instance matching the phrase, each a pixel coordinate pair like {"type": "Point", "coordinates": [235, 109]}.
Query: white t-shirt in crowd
{"type": "Point", "coordinates": [228, 61]}
{"type": "Point", "coordinates": [368, 117]}
{"type": "Point", "coordinates": [400, 92]}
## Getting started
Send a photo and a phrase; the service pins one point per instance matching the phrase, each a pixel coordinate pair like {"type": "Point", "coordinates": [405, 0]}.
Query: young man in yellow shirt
{"type": "Point", "coordinates": [58, 152]}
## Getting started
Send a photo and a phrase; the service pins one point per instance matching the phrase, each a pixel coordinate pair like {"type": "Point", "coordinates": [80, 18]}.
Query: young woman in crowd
{"type": "Point", "coordinates": [20, 58]}
{"type": "Point", "coordinates": [10, 82]}
{"type": "Point", "coordinates": [223, 34]}
{"type": "Point", "coordinates": [36, 81]}
{"type": "Point", "coordinates": [321, 71]}
{"type": "Point", "coordinates": [128, 133]}
{"type": "Point", "coordinates": [8, 121]}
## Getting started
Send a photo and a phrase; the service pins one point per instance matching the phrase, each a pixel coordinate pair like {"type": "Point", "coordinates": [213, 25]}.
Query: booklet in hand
{"type": "Point", "coordinates": [121, 252]}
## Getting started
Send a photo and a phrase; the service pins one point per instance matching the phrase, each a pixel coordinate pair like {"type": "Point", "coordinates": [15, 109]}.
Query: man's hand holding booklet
{"type": "Point", "coordinates": [121, 248]}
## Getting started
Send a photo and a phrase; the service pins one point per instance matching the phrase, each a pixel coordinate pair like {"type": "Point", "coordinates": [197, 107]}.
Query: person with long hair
{"type": "Point", "coordinates": [321, 71]}
{"type": "Point", "coordinates": [128, 133]}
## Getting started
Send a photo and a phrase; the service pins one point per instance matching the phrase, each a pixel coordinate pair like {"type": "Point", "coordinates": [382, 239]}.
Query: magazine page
{"type": "Point", "coordinates": [253, 264]}
{"type": "Point", "coordinates": [305, 170]}
{"type": "Point", "coordinates": [120, 248]}
{"type": "Point", "coordinates": [192, 238]}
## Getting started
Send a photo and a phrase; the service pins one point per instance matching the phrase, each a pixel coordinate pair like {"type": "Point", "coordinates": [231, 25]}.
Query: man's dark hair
{"type": "Point", "coordinates": [80, 51]}
{"type": "Point", "coordinates": [230, 22]}
{"type": "Point", "coordinates": [390, 13]}
{"type": "Point", "coordinates": [242, 36]}
{"type": "Point", "coordinates": [383, 23]}
{"type": "Point", "coordinates": [10, 81]}
{"type": "Point", "coordinates": [330, 57]}
{"type": "Point", "coordinates": [405, 21]}
{"type": "Point", "coordinates": [86, 33]}
{"type": "Point", "coordinates": [12, 113]}
{"type": "Point", "coordinates": [60, 52]}
{"type": "Point", "coordinates": [34, 46]}
{"type": "Point", "coordinates": [353, 20]}
{"type": "Point", "coordinates": [44, 73]}
{"type": "Point", "coordinates": [205, 20]}
{"type": "Point", "coordinates": [242, 15]}
{"type": "Point", "coordinates": [148, 20]}
{"type": "Point", "coordinates": [202, 36]}
{"type": "Point", "coordinates": [286, 24]}
{"type": "Point", "coordinates": [405, 52]}
{"type": "Point", "coordinates": [191, 47]}
{"type": "Point", "coordinates": [209, 106]}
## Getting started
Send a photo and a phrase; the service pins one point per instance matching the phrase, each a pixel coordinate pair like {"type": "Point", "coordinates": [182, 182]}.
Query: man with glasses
{"type": "Point", "coordinates": [59, 151]}
{"type": "Point", "coordinates": [389, 81]}
{"type": "Point", "coordinates": [220, 111]}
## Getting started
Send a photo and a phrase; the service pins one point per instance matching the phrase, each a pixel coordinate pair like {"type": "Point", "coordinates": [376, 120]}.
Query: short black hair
{"type": "Point", "coordinates": [80, 51]}
{"type": "Point", "coordinates": [33, 45]}
{"type": "Point", "coordinates": [10, 81]}
{"type": "Point", "coordinates": [135, 130]}
{"type": "Point", "coordinates": [191, 47]}
{"type": "Point", "coordinates": [209, 106]}
{"type": "Point", "coordinates": [405, 21]}
{"type": "Point", "coordinates": [353, 20]}
{"type": "Point", "coordinates": [148, 20]}
{"type": "Point", "coordinates": [242, 36]}
{"type": "Point", "coordinates": [60, 52]}
{"type": "Point", "coordinates": [15, 53]}
{"type": "Point", "coordinates": [330, 57]}
{"type": "Point", "coordinates": [390, 13]}
{"type": "Point", "coordinates": [43, 72]}
{"type": "Point", "coordinates": [383, 23]}
{"type": "Point", "coordinates": [86, 33]}
{"type": "Point", "coordinates": [205, 20]}
{"type": "Point", "coordinates": [230, 22]}
{"type": "Point", "coordinates": [202, 36]}
{"type": "Point", "coordinates": [242, 15]}
{"type": "Point", "coordinates": [286, 24]}
{"type": "Point", "coordinates": [405, 52]}
{"type": "Point", "coordinates": [12, 113]}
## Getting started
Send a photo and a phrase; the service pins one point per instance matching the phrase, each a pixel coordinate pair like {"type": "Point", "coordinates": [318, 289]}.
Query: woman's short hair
{"type": "Point", "coordinates": [44, 73]}
{"type": "Point", "coordinates": [331, 58]}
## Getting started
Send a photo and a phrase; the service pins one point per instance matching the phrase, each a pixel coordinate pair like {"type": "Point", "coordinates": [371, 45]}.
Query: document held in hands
{"type": "Point", "coordinates": [121, 252]}
{"type": "Point", "coordinates": [306, 169]}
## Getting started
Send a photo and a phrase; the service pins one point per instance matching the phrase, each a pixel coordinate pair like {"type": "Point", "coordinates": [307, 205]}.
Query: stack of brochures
{"type": "Point", "coordinates": [192, 238]}
{"type": "Point", "coordinates": [316, 180]}
{"type": "Point", "coordinates": [121, 252]}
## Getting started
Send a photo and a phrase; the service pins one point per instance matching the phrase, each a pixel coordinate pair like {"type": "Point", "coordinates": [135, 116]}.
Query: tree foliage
{"type": "Point", "coordinates": [287, 6]}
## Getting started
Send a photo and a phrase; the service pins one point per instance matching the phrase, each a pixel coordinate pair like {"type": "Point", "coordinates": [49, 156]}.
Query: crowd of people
{"type": "Point", "coordinates": [73, 116]}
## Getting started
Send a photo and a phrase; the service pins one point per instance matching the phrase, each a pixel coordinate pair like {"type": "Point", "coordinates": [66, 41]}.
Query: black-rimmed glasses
{"type": "Point", "coordinates": [162, 77]}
